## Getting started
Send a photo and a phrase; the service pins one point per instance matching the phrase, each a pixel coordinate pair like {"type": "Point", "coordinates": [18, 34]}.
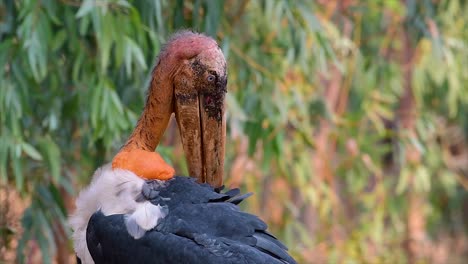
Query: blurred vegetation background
{"type": "Point", "coordinates": [348, 119]}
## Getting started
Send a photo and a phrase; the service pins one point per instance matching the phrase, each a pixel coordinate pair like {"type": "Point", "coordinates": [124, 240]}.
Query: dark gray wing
{"type": "Point", "coordinates": [202, 226]}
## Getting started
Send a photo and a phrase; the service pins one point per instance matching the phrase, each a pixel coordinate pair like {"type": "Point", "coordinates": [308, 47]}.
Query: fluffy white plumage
{"type": "Point", "coordinates": [113, 191]}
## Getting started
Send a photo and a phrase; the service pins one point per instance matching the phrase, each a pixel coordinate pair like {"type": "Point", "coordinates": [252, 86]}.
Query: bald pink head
{"type": "Point", "coordinates": [186, 45]}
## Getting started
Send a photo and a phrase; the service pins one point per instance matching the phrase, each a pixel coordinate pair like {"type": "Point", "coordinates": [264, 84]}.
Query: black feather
{"type": "Point", "coordinates": [239, 198]}
{"type": "Point", "coordinates": [233, 192]}
{"type": "Point", "coordinates": [202, 226]}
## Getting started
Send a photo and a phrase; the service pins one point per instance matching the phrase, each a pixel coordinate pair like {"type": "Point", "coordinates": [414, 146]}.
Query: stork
{"type": "Point", "coordinates": [136, 211]}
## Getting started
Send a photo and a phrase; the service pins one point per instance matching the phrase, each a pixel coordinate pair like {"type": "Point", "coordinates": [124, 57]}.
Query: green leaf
{"type": "Point", "coordinates": [18, 172]}
{"type": "Point", "coordinates": [31, 151]}
{"type": "Point", "coordinates": [59, 40]}
{"type": "Point", "coordinates": [51, 153]}
{"type": "Point", "coordinates": [116, 102]}
{"type": "Point", "coordinates": [85, 8]}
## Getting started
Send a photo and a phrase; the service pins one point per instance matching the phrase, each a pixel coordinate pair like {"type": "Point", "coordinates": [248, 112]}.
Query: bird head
{"type": "Point", "coordinates": [190, 80]}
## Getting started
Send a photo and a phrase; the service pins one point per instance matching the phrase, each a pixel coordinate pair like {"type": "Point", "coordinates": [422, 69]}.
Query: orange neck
{"type": "Point", "coordinates": [155, 117]}
{"type": "Point", "coordinates": [137, 155]}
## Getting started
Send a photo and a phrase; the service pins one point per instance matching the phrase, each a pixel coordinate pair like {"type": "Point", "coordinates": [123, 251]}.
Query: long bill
{"type": "Point", "coordinates": [202, 128]}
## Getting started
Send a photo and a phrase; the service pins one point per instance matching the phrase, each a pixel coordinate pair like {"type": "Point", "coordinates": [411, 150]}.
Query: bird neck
{"type": "Point", "coordinates": [156, 114]}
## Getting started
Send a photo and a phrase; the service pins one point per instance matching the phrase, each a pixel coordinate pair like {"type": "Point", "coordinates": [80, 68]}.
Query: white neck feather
{"type": "Point", "coordinates": [113, 191]}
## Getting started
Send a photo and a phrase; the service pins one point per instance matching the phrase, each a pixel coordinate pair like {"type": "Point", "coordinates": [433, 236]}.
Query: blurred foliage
{"type": "Point", "coordinates": [314, 128]}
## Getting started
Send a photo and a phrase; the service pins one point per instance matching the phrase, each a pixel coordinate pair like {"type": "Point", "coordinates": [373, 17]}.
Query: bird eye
{"type": "Point", "coordinates": [211, 78]}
